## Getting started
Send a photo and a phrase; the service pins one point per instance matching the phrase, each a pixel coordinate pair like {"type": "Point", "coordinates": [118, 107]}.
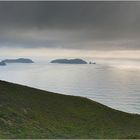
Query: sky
{"type": "Point", "coordinates": [77, 27]}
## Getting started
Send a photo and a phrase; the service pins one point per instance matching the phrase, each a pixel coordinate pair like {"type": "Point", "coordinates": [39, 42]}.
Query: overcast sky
{"type": "Point", "coordinates": [70, 25]}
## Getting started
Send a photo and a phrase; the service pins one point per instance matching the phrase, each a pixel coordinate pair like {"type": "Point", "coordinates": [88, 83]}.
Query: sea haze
{"type": "Point", "coordinates": [113, 84]}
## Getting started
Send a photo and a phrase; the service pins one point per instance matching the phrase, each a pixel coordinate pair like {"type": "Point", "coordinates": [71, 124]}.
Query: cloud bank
{"type": "Point", "coordinates": [92, 25]}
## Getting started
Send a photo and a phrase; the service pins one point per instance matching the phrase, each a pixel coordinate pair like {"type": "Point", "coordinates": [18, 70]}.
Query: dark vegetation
{"type": "Point", "coordinates": [31, 113]}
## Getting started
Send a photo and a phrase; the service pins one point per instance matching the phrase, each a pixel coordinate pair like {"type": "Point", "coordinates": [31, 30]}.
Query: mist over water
{"type": "Point", "coordinates": [115, 83]}
{"type": "Point", "coordinates": [121, 63]}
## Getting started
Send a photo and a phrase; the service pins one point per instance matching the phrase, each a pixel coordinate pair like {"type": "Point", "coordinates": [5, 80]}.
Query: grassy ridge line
{"type": "Point", "coordinates": [31, 113]}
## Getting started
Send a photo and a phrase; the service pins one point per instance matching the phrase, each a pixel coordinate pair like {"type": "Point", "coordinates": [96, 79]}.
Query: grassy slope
{"type": "Point", "coordinates": [30, 113]}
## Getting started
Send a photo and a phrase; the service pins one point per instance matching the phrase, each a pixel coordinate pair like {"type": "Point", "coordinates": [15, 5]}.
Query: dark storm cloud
{"type": "Point", "coordinates": [87, 25]}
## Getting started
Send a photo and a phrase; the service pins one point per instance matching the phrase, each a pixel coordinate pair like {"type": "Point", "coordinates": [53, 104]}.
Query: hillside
{"type": "Point", "coordinates": [31, 113]}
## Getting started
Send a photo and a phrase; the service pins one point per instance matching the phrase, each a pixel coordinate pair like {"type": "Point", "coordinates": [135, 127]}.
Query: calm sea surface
{"type": "Point", "coordinates": [116, 87]}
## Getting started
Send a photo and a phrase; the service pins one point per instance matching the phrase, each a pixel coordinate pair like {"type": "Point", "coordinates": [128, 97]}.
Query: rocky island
{"type": "Point", "coordinates": [92, 62]}
{"type": "Point", "coordinates": [2, 63]}
{"type": "Point", "coordinates": [69, 61]}
{"type": "Point", "coordinates": [19, 60]}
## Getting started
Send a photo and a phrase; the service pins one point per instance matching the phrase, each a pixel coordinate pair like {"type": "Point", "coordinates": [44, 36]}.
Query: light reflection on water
{"type": "Point", "coordinates": [117, 88]}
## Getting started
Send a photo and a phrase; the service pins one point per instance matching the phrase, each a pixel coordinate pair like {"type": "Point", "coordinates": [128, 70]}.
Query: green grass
{"type": "Point", "coordinates": [31, 113]}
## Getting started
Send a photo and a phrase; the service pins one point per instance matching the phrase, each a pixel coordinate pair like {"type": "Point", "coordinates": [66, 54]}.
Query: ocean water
{"type": "Point", "coordinates": [115, 85]}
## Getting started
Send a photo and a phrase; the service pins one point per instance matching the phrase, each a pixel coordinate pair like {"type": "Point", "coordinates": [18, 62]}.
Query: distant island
{"type": "Point", "coordinates": [19, 60]}
{"type": "Point", "coordinates": [69, 61]}
{"type": "Point", "coordinates": [92, 62]}
{"type": "Point", "coordinates": [2, 63]}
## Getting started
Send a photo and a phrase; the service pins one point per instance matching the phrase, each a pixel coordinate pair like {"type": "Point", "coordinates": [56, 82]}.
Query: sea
{"type": "Point", "coordinates": [109, 82]}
